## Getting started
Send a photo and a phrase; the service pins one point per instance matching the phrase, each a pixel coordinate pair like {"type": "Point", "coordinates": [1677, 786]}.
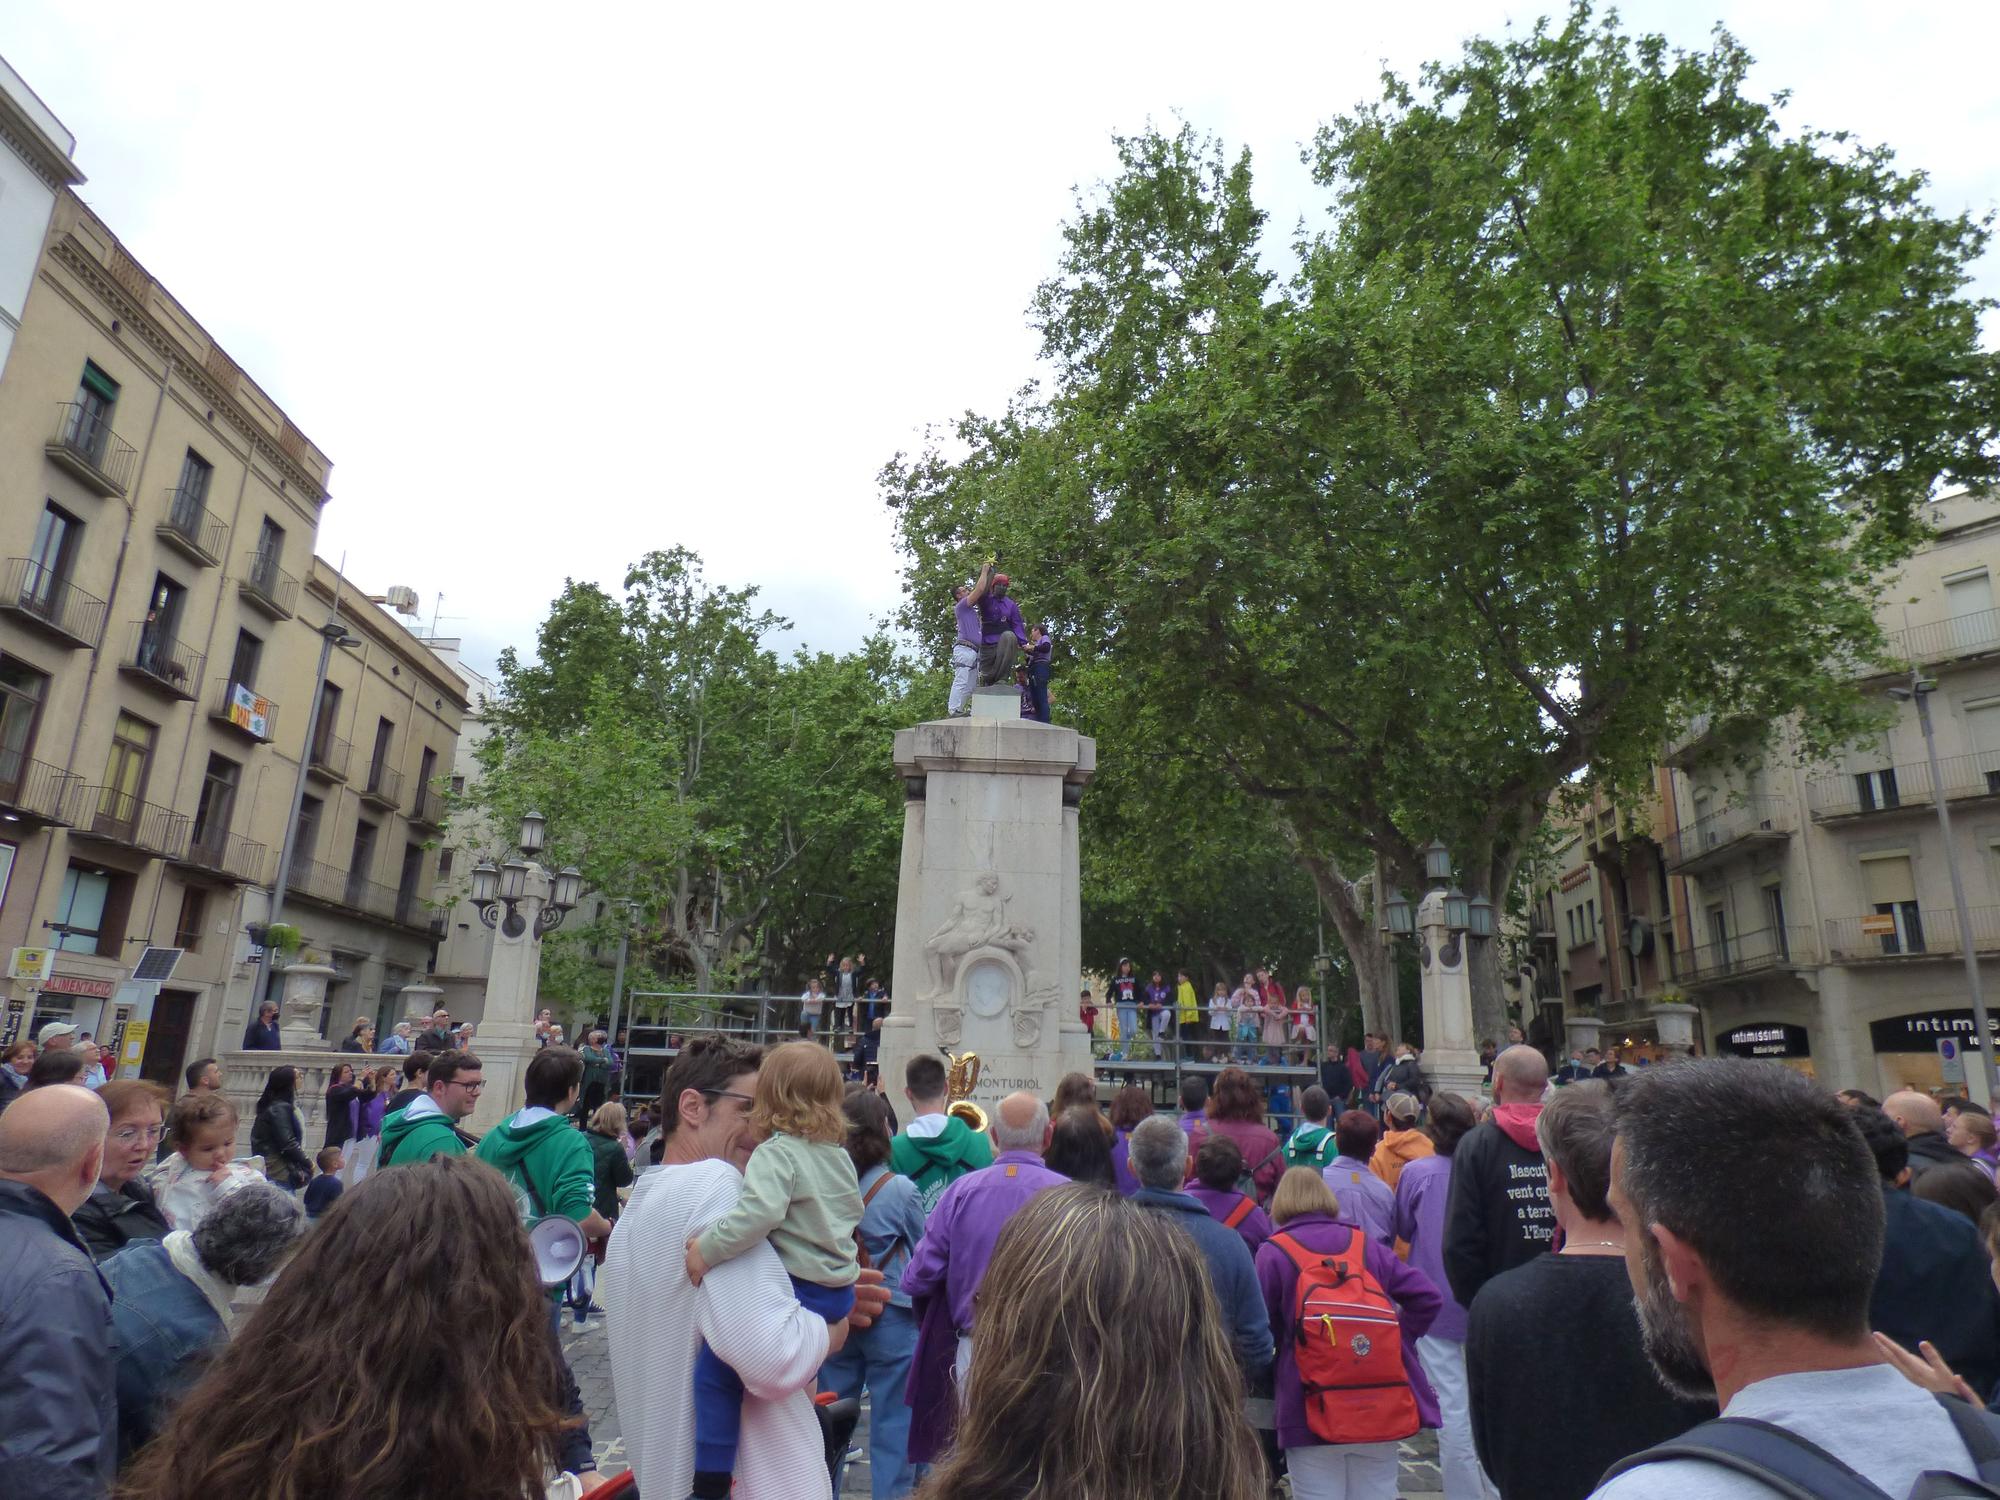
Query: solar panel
{"type": "Point", "coordinates": [157, 964]}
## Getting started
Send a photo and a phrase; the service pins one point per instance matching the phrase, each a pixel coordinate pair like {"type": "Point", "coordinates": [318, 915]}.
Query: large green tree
{"type": "Point", "coordinates": [745, 802]}
{"type": "Point", "coordinates": [1601, 403]}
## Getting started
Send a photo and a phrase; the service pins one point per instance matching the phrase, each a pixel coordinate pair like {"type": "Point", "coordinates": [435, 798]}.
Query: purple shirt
{"type": "Point", "coordinates": [1121, 1164]}
{"type": "Point", "coordinates": [961, 1231]}
{"type": "Point", "coordinates": [997, 612]}
{"type": "Point", "coordinates": [1365, 1199]}
{"type": "Point", "coordinates": [1416, 1305]}
{"type": "Point", "coordinates": [968, 623]}
{"type": "Point", "coordinates": [1421, 1194]}
{"type": "Point", "coordinates": [1220, 1205]}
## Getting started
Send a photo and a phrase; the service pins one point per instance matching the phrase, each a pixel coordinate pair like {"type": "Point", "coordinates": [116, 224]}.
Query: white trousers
{"type": "Point", "coordinates": [1444, 1363]}
{"type": "Point", "coordinates": [964, 667]}
{"type": "Point", "coordinates": [1343, 1471]}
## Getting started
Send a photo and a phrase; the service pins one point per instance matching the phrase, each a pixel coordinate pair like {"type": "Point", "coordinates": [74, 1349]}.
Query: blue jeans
{"type": "Point", "coordinates": [718, 1390]}
{"type": "Point", "coordinates": [879, 1358]}
{"type": "Point", "coordinates": [1128, 1028]}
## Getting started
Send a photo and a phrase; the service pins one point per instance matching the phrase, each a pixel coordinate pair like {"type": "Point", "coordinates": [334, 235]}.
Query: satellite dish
{"type": "Point", "coordinates": [559, 1247]}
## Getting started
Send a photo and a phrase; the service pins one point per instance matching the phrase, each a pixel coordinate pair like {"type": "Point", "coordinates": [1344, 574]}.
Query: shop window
{"type": "Point", "coordinates": [92, 910]}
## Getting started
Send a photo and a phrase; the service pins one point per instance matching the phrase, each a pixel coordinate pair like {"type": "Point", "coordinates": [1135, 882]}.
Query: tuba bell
{"type": "Point", "coordinates": [959, 1082]}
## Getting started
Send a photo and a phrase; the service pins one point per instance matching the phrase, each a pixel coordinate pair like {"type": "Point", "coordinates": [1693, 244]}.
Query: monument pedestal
{"type": "Point", "coordinates": [1451, 1057]}
{"type": "Point", "coordinates": [989, 948]}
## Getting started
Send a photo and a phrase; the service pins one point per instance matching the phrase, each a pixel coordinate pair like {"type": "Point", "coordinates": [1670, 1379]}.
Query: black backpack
{"type": "Point", "coordinates": [1799, 1469]}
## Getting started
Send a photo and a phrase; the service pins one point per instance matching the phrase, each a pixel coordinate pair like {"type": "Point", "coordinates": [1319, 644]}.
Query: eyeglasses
{"type": "Point", "coordinates": [472, 1086]}
{"type": "Point", "coordinates": [131, 1135]}
{"type": "Point", "coordinates": [744, 1099]}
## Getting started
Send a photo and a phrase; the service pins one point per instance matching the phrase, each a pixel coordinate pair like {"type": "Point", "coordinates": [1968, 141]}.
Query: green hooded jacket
{"type": "Point", "coordinates": [549, 1163]}
{"type": "Point", "coordinates": [405, 1140]}
{"type": "Point", "coordinates": [935, 1162]}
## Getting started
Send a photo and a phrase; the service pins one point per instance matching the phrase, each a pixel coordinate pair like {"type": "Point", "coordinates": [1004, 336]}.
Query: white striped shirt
{"type": "Point", "coordinates": [743, 1307]}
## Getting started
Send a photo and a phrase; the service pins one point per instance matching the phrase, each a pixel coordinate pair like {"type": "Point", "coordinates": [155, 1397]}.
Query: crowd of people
{"type": "Point", "coordinates": [1151, 1019]}
{"type": "Point", "coordinates": [1091, 1297]}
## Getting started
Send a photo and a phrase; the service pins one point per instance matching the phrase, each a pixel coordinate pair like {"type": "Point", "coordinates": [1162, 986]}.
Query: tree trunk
{"type": "Point", "coordinates": [1351, 914]}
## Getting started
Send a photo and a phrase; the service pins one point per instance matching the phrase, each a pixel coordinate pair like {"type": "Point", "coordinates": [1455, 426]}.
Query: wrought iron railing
{"type": "Point", "coordinates": [36, 590]}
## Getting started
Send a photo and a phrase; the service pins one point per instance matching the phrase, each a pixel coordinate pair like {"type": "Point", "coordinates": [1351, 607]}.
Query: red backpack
{"type": "Point", "coordinates": [1349, 1348]}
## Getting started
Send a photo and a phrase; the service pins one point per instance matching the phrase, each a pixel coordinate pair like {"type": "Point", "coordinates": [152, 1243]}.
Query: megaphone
{"type": "Point", "coordinates": [559, 1248]}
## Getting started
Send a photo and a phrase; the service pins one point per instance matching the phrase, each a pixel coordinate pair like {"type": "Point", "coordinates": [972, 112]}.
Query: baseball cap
{"type": "Point", "coordinates": [1001, 580]}
{"type": "Point", "coordinates": [53, 1030]}
{"type": "Point", "coordinates": [1401, 1106]}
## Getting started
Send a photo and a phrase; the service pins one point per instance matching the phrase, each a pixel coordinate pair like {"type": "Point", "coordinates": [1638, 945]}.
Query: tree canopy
{"type": "Point", "coordinates": [1600, 403]}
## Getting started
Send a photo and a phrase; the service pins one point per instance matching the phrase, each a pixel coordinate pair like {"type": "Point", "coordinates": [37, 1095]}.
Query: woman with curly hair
{"type": "Point", "coordinates": [1129, 1106]}
{"type": "Point", "coordinates": [1236, 1110]}
{"type": "Point", "coordinates": [1102, 1368]}
{"type": "Point", "coordinates": [467, 1410]}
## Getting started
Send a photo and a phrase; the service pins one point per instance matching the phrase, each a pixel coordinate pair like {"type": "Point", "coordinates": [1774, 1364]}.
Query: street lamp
{"type": "Point", "coordinates": [1396, 918]}
{"type": "Point", "coordinates": [1437, 862]}
{"type": "Point", "coordinates": [507, 886]}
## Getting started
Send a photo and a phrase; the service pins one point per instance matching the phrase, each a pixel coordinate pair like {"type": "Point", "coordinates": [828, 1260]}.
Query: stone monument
{"type": "Point", "coordinates": [988, 941]}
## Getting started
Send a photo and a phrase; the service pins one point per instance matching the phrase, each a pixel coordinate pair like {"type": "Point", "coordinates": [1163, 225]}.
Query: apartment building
{"type": "Point", "coordinates": [465, 944]}
{"type": "Point", "coordinates": [1823, 928]}
{"type": "Point", "coordinates": [35, 166]}
{"type": "Point", "coordinates": [160, 619]}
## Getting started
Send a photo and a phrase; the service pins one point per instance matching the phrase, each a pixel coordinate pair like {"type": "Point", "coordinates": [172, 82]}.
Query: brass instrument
{"type": "Point", "coordinates": [959, 1082]}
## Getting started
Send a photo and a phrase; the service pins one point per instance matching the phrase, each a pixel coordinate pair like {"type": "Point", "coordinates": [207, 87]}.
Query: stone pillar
{"type": "Point", "coordinates": [419, 1001]}
{"type": "Point", "coordinates": [1676, 1027]}
{"type": "Point", "coordinates": [1584, 1032]}
{"type": "Point", "coordinates": [506, 1037]}
{"type": "Point", "coordinates": [988, 917]}
{"type": "Point", "coordinates": [303, 998]}
{"type": "Point", "coordinates": [1451, 1055]}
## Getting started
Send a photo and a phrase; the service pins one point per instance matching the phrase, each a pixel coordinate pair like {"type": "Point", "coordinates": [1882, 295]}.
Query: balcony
{"type": "Point", "coordinates": [84, 446]}
{"type": "Point", "coordinates": [114, 817]}
{"type": "Point", "coordinates": [384, 788]}
{"type": "Point", "coordinates": [191, 529]}
{"type": "Point", "coordinates": [237, 706]}
{"type": "Point", "coordinates": [1746, 954]}
{"type": "Point", "coordinates": [33, 792]}
{"type": "Point", "coordinates": [1966, 778]}
{"type": "Point", "coordinates": [328, 760]}
{"type": "Point", "coordinates": [267, 586]}
{"type": "Point", "coordinates": [427, 809]}
{"type": "Point", "coordinates": [229, 855]}
{"type": "Point", "coordinates": [329, 885]}
{"type": "Point", "coordinates": [1721, 836]}
{"type": "Point", "coordinates": [163, 663]}
{"type": "Point", "coordinates": [411, 910]}
{"type": "Point", "coordinates": [1878, 938]}
{"type": "Point", "coordinates": [1961, 636]}
{"type": "Point", "coordinates": [35, 595]}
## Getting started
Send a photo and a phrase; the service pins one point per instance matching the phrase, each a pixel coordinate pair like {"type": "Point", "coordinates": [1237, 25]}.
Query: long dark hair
{"type": "Point", "coordinates": [281, 1087]}
{"type": "Point", "coordinates": [466, 1409]}
{"type": "Point", "coordinates": [1079, 1149]}
{"type": "Point", "coordinates": [334, 1082]}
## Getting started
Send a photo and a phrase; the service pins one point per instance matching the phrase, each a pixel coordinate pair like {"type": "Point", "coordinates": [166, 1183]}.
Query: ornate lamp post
{"type": "Point", "coordinates": [1441, 924]}
{"type": "Point", "coordinates": [522, 902]}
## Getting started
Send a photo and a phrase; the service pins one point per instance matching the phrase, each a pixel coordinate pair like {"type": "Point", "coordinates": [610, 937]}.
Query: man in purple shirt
{"type": "Point", "coordinates": [965, 650]}
{"type": "Point", "coordinates": [1365, 1199]}
{"type": "Point", "coordinates": [1001, 632]}
{"type": "Point", "coordinates": [950, 1260]}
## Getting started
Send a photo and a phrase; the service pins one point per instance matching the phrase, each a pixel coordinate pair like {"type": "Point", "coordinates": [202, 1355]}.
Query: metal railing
{"type": "Point", "coordinates": [265, 583]}
{"type": "Point", "coordinates": [118, 817]}
{"type": "Point", "coordinates": [1746, 953]}
{"type": "Point", "coordinates": [385, 785]}
{"type": "Point", "coordinates": [1941, 640]}
{"type": "Point", "coordinates": [190, 522]}
{"type": "Point", "coordinates": [170, 662]}
{"type": "Point", "coordinates": [252, 713]}
{"type": "Point", "coordinates": [427, 808]}
{"type": "Point", "coordinates": [35, 787]}
{"type": "Point", "coordinates": [230, 853]}
{"type": "Point", "coordinates": [1749, 818]}
{"type": "Point", "coordinates": [83, 433]}
{"type": "Point", "coordinates": [1933, 932]}
{"type": "Point", "coordinates": [1838, 795]}
{"type": "Point", "coordinates": [331, 885]}
{"type": "Point", "coordinates": [37, 591]}
{"type": "Point", "coordinates": [328, 757]}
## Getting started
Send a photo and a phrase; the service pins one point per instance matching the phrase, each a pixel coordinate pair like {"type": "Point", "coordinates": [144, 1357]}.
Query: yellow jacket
{"type": "Point", "coordinates": [1189, 1004]}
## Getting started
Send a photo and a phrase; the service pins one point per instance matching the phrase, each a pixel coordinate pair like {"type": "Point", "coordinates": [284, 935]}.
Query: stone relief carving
{"type": "Point", "coordinates": [948, 1023]}
{"type": "Point", "coordinates": [978, 920]}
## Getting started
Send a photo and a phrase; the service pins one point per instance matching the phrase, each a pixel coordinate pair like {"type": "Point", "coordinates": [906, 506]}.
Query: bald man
{"type": "Point", "coordinates": [59, 1431]}
{"type": "Point", "coordinates": [1498, 1215]}
{"type": "Point", "coordinates": [1922, 1123]}
{"type": "Point", "coordinates": [950, 1261]}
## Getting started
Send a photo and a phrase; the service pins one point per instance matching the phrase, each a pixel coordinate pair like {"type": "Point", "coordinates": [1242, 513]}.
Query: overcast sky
{"type": "Point", "coordinates": [556, 290]}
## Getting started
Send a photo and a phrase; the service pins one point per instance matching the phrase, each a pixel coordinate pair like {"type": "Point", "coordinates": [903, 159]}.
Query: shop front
{"type": "Point", "coordinates": [1771, 1041]}
{"type": "Point", "coordinates": [1932, 1051]}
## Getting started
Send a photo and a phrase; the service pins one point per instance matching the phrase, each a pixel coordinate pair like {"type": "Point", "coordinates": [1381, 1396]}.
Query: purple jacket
{"type": "Point", "coordinates": [1416, 1301]}
{"type": "Point", "coordinates": [997, 612]}
{"type": "Point", "coordinates": [1121, 1164]}
{"type": "Point", "coordinates": [1365, 1199]}
{"type": "Point", "coordinates": [1255, 1230]}
{"type": "Point", "coordinates": [1421, 1194]}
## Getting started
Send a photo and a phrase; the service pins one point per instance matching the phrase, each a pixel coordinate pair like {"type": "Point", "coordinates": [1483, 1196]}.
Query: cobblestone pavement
{"type": "Point", "coordinates": [590, 1362]}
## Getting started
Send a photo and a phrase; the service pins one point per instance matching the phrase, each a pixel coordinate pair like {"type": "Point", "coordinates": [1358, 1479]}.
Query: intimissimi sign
{"type": "Point", "coordinates": [1922, 1030]}
{"type": "Point", "coordinates": [1765, 1040]}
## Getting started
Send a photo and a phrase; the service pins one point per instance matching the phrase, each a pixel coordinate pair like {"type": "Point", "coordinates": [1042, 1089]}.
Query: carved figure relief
{"type": "Point", "coordinates": [978, 920]}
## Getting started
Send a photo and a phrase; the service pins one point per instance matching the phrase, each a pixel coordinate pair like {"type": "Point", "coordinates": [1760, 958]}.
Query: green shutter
{"type": "Point", "coordinates": [96, 380]}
